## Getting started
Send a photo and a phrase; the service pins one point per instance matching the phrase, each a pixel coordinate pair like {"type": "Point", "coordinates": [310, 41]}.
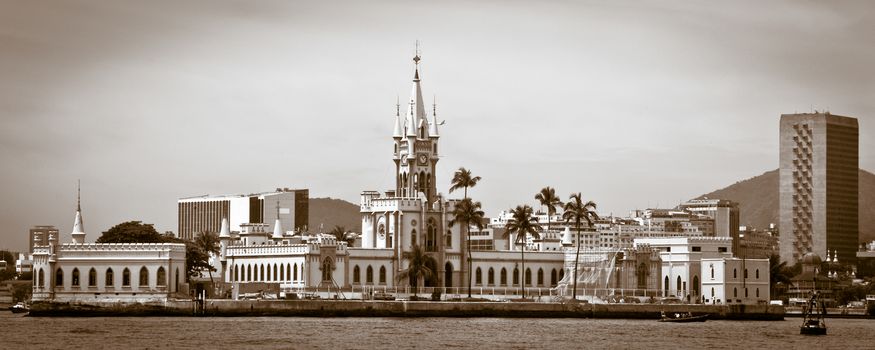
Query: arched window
{"type": "Point", "coordinates": [236, 277]}
{"type": "Point", "coordinates": [176, 280]}
{"type": "Point", "coordinates": [369, 275]}
{"type": "Point", "coordinates": [679, 289]}
{"type": "Point", "coordinates": [758, 273]}
{"type": "Point", "coordinates": [561, 274]}
{"type": "Point", "coordinates": [109, 279]}
{"type": "Point", "coordinates": [665, 285]}
{"type": "Point", "coordinates": [528, 276]}
{"type": "Point", "coordinates": [413, 238]}
{"type": "Point", "coordinates": [478, 277]}
{"type": "Point", "coordinates": [449, 239]}
{"type": "Point", "coordinates": [553, 276]}
{"type": "Point", "coordinates": [75, 279]}
{"type": "Point", "coordinates": [712, 272]}
{"type": "Point", "coordinates": [430, 237]}
{"type": "Point", "coordinates": [144, 277]}
{"type": "Point", "coordinates": [734, 273]}
{"type": "Point", "coordinates": [696, 285]}
{"type": "Point", "coordinates": [745, 273]}
{"type": "Point", "coordinates": [92, 277]}
{"type": "Point", "coordinates": [326, 269]}
{"type": "Point", "coordinates": [41, 278]}
{"type": "Point", "coordinates": [490, 277]}
{"type": "Point", "coordinates": [261, 272]}
{"type": "Point", "coordinates": [162, 277]}
{"type": "Point", "coordinates": [516, 276]}
{"type": "Point", "coordinates": [126, 278]}
{"type": "Point", "coordinates": [248, 272]}
{"type": "Point", "coordinates": [745, 292]}
{"type": "Point", "coordinates": [289, 271]}
{"type": "Point", "coordinates": [735, 292]}
{"type": "Point", "coordinates": [382, 275]}
{"type": "Point", "coordinates": [59, 278]}
{"type": "Point", "coordinates": [295, 272]}
{"type": "Point", "coordinates": [282, 273]}
{"type": "Point", "coordinates": [540, 276]}
{"type": "Point", "coordinates": [503, 276]}
{"type": "Point", "coordinates": [356, 278]}
{"type": "Point", "coordinates": [274, 273]}
{"type": "Point", "coordinates": [641, 274]}
{"type": "Point", "coordinates": [758, 292]}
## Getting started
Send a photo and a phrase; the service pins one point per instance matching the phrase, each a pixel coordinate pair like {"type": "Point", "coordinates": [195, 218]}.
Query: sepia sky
{"type": "Point", "coordinates": [634, 104]}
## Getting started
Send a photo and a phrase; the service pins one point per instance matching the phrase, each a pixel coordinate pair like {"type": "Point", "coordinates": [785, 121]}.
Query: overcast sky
{"type": "Point", "coordinates": [634, 104]}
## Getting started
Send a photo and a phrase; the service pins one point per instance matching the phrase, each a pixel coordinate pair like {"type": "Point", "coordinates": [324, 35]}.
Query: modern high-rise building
{"type": "Point", "coordinates": [818, 186]}
{"type": "Point", "coordinates": [205, 213]}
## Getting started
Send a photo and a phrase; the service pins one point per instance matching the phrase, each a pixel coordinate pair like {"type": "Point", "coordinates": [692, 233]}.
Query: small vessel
{"type": "Point", "coordinates": [812, 317]}
{"type": "Point", "coordinates": [682, 317]}
{"type": "Point", "coordinates": [19, 308]}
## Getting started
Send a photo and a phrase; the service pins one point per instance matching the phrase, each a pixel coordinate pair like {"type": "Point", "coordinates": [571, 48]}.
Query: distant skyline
{"type": "Point", "coordinates": [635, 104]}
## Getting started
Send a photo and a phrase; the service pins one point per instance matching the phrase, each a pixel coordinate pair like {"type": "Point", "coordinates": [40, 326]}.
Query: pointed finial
{"type": "Point", "coordinates": [397, 105]}
{"type": "Point", "coordinates": [434, 105]}
{"type": "Point", "coordinates": [277, 210]}
{"type": "Point", "coordinates": [416, 56]}
{"type": "Point", "coordinates": [78, 195]}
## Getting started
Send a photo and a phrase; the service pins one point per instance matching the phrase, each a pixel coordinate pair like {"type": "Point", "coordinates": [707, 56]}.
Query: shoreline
{"type": "Point", "coordinates": [358, 308]}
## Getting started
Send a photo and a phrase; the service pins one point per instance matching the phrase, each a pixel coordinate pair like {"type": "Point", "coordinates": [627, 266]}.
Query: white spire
{"type": "Point", "coordinates": [416, 112]}
{"type": "Point", "coordinates": [398, 133]}
{"type": "Point", "coordinates": [226, 230]}
{"type": "Point", "coordinates": [78, 229]}
{"type": "Point", "coordinates": [277, 230]}
{"type": "Point", "coordinates": [433, 125]}
{"type": "Point", "coordinates": [566, 236]}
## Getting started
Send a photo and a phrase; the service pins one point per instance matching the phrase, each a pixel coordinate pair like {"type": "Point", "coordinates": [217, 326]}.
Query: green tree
{"type": "Point", "coordinates": [523, 224]}
{"type": "Point", "coordinates": [418, 268]}
{"type": "Point", "coordinates": [342, 235]}
{"type": "Point", "coordinates": [196, 259]}
{"type": "Point", "coordinates": [131, 232]}
{"type": "Point", "coordinates": [9, 272]}
{"type": "Point", "coordinates": [779, 272]}
{"type": "Point", "coordinates": [465, 213]}
{"type": "Point", "coordinates": [547, 197]}
{"type": "Point", "coordinates": [578, 211]}
{"type": "Point", "coordinates": [207, 243]}
{"type": "Point", "coordinates": [463, 179]}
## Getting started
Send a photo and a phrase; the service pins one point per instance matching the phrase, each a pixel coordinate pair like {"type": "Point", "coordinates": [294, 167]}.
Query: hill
{"type": "Point", "coordinates": [330, 212]}
{"type": "Point", "coordinates": [758, 201]}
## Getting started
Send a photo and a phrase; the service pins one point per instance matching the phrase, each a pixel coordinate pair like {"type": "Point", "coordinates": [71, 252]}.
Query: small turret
{"type": "Point", "coordinates": [78, 229]}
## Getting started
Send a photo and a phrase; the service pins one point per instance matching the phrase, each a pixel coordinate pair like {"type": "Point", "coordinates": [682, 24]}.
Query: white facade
{"type": "Point", "coordinates": [735, 281]}
{"type": "Point", "coordinates": [681, 259]}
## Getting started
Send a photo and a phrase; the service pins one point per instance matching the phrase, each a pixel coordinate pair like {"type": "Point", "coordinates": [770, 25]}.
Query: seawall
{"type": "Point", "coordinates": [357, 308]}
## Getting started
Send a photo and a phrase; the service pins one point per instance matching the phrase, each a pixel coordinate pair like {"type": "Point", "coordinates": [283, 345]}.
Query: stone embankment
{"type": "Point", "coordinates": [344, 308]}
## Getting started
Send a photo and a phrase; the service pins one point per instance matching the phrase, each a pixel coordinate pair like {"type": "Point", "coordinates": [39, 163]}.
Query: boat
{"type": "Point", "coordinates": [812, 317]}
{"type": "Point", "coordinates": [19, 308]}
{"type": "Point", "coordinates": [682, 317]}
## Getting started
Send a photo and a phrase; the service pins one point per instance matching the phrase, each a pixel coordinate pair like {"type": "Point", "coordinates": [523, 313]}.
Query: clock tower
{"type": "Point", "coordinates": [416, 145]}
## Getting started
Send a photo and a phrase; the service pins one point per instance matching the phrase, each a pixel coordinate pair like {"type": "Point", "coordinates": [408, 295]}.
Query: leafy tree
{"type": "Point", "coordinates": [465, 213]}
{"type": "Point", "coordinates": [21, 291]}
{"type": "Point", "coordinates": [208, 243]}
{"type": "Point", "coordinates": [523, 224]}
{"type": "Point", "coordinates": [418, 267]}
{"type": "Point", "coordinates": [463, 179]}
{"type": "Point", "coordinates": [779, 272]}
{"type": "Point", "coordinates": [342, 235]}
{"type": "Point", "coordinates": [196, 259]}
{"type": "Point", "coordinates": [547, 197]}
{"type": "Point", "coordinates": [578, 211]}
{"type": "Point", "coordinates": [131, 232]}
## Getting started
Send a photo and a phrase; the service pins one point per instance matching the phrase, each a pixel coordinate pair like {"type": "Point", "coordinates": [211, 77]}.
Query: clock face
{"type": "Point", "coordinates": [423, 159]}
{"type": "Point", "coordinates": [404, 159]}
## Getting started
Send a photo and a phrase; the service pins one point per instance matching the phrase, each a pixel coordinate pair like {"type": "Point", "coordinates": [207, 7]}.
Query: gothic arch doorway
{"type": "Point", "coordinates": [448, 275]}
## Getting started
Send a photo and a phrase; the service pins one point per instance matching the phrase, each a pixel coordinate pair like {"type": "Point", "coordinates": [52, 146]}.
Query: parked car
{"type": "Point", "coordinates": [381, 295]}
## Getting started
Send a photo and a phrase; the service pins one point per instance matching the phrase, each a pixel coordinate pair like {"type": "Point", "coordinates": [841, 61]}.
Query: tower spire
{"type": "Point", "coordinates": [78, 233]}
{"type": "Point", "coordinates": [398, 132]}
{"type": "Point", "coordinates": [416, 117]}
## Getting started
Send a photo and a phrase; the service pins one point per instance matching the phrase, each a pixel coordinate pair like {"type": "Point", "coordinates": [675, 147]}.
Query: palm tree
{"type": "Point", "coordinates": [522, 223]}
{"type": "Point", "coordinates": [578, 211]}
{"type": "Point", "coordinates": [779, 272]}
{"type": "Point", "coordinates": [340, 233]}
{"type": "Point", "coordinates": [548, 198]}
{"type": "Point", "coordinates": [468, 212]}
{"type": "Point", "coordinates": [463, 179]}
{"type": "Point", "coordinates": [418, 267]}
{"type": "Point", "coordinates": [208, 243]}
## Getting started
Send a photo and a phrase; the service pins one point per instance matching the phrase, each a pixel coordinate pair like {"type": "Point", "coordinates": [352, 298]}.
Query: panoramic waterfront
{"type": "Point", "coordinates": [381, 333]}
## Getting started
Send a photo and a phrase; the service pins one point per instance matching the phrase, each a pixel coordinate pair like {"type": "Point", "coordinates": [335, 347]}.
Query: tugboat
{"type": "Point", "coordinates": [812, 317]}
{"type": "Point", "coordinates": [683, 317]}
{"type": "Point", "coordinates": [19, 308]}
